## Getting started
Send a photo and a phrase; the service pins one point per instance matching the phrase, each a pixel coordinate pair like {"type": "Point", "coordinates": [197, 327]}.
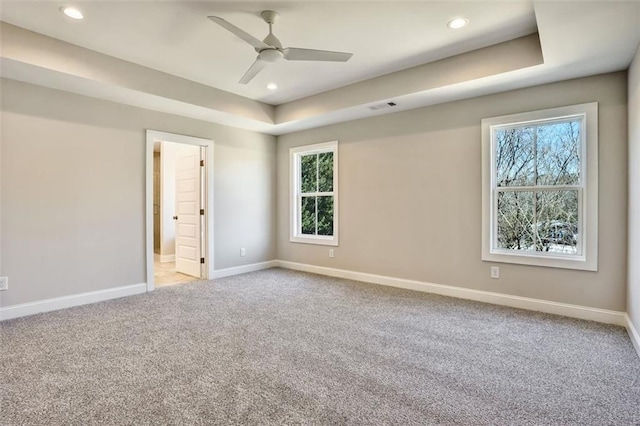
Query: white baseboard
{"type": "Point", "coordinates": [633, 334]}
{"type": "Point", "coordinates": [574, 311]}
{"type": "Point", "coordinates": [166, 258]}
{"type": "Point", "coordinates": [24, 309]}
{"type": "Point", "coordinates": [227, 272]}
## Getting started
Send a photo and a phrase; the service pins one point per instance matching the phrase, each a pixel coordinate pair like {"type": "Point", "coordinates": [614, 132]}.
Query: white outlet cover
{"type": "Point", "coordinates": [495, 272]}
{"type": "Point", "coordinates": [4, 283]}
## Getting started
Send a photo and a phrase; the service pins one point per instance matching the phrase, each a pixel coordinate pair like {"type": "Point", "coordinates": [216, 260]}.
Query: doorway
{"type": "Point", "coordinates": [179, 205]}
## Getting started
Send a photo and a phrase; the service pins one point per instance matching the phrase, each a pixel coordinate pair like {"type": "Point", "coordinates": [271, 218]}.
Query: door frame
{"type": "Point", "coordinates": [154, 136]}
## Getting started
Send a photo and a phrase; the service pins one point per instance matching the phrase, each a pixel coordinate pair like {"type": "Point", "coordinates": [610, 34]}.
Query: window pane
{"type": "Point", "coordinates": [325, 215]}
{"type": "Point", "coordinates": [515, 220]}
{"type": "Point", "coordinates": [308, 216]}
{"type": "Point", "coordinates": [557, 221]}
{"type": "Point", "coordinates": [325, 172]}
{"type": "Point", "coordinates": [558, 160]}
{"type": "Point", "coordinates": [514, 156]}
{"type": "Point", "coordinates": [309, 173]}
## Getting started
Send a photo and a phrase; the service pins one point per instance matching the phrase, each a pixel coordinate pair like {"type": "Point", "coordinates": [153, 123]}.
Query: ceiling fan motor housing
{"type": "Point", "coordinates": [272, 40]}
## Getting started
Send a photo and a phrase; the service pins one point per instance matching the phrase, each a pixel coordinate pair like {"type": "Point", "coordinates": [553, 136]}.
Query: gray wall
{"type": "Point", "coordinates": [410, 196]}
{"type": "Point", "coordinates": [72, 179]}
{"type": "Point", "coordinates": [633, 292]}
{"type": "Point", "coordinates": [72, 188]}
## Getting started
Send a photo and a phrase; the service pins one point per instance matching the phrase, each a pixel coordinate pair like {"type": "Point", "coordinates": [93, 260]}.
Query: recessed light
{"type": "Point", "coordinates": [272, 86]}
{"type": "Point", "coordinates": [457, 23]}
{"type": "Point", "coordinates": [71, 12]}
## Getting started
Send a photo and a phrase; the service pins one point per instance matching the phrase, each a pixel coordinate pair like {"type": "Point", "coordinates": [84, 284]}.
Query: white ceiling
{"type": "Point", "coordinates": [577, 38]}
{"type": "Point", "coordinates": [177, 38]}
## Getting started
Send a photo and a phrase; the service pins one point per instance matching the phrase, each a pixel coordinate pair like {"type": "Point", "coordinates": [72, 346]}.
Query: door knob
{"type": "Point", "coordinates": [175, 218]}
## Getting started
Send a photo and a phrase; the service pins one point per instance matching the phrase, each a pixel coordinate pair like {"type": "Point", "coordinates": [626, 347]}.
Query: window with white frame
{"type": "Point", "coordinates": [540, 188]}
{"type": "Point", "coordinates": [314, 193]}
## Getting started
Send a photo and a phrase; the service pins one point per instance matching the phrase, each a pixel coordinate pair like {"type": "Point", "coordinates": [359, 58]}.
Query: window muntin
{"type": "Point", "coordinates": [314, 193]}
{"type": "Point", "coordinates": [540, 187]}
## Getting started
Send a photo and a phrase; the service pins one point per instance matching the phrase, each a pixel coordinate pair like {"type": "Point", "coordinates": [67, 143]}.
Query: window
{"type": "Point", "coordinates": [314, 193]}
{"type": "Point", "coordinates": [540, 188]}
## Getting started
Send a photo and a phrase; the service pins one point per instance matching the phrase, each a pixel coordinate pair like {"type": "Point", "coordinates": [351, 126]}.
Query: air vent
{"type": "Point", "coordinates": [382, 106]}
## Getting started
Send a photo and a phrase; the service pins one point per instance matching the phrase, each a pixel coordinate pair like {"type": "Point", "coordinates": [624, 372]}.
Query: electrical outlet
{"type": "Point", "coordinates": [331, 253]}
{"type": "Point", "coordinates": [4, 283]}
{"type": "Point", "coordinates": [495, 272]}
{"type": "Point", "coordinates": [243, 251]}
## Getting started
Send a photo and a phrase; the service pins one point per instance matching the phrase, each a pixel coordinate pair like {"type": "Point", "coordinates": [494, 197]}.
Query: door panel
{"type": "Point", "coordinates": [188, 212]}
{"type": "Point", "coordinates": [156, 203]}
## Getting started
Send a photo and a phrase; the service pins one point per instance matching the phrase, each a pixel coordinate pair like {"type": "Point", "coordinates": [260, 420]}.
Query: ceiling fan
{"type": "Point", "coordinates": [270, 49]}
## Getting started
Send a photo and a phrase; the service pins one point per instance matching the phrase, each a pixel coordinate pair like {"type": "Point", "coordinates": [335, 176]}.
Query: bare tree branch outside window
{"type": "Point", "coordinates": [538, 186]}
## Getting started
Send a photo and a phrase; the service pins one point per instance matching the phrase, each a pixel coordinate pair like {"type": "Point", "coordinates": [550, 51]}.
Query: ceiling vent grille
{"type": "Point", "coordinates": [382, 106]}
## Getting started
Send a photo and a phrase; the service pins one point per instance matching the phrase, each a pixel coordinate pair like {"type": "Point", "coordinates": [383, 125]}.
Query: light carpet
{"type": "Point", "coordinates": [284, 347]}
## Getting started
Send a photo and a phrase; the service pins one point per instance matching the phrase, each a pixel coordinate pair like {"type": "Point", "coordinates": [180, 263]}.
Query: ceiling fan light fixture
{"type": "Point", "coordinates": [270, 55]}
{"type": "Point", "coordinates": [72, 12]}
{"type": "Point", "coordinates": [272, 86]}
{"type": "Point", "coordinates": [457, 23]}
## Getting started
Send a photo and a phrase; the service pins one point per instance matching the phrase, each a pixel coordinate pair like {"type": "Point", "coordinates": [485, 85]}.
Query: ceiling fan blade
{"type": "Point", "coordinates": [240, 33]}
{"type": "Point", "coordinates": [296, 54]}
{"type": "Point", "coordinates": [253, 70]}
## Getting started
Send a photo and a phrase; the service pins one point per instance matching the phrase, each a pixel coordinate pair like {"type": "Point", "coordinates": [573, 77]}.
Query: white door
{"type": "Point", "coordinates": [157, 217]}
{"type": "Point", "coordinates": [187, 216]}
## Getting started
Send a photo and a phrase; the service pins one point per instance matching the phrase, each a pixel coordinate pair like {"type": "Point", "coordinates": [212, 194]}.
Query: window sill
{"type": "Point", "coordinates": [565, 262]}
{"type": "Point", "coordinates": [315, 240]}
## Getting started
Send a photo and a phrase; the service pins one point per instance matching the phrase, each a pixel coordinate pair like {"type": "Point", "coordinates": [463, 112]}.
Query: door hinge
{"type": "Point", "coordinates": [202, 260]}
{"type": "Point", "coordinates": [201, 212]}
{"type": "Point", "coordinates": [201, 163]}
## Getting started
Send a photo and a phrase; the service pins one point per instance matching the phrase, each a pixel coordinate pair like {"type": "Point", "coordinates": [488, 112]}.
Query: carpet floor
{"type": "Point", "coordinates": [284, 347]}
